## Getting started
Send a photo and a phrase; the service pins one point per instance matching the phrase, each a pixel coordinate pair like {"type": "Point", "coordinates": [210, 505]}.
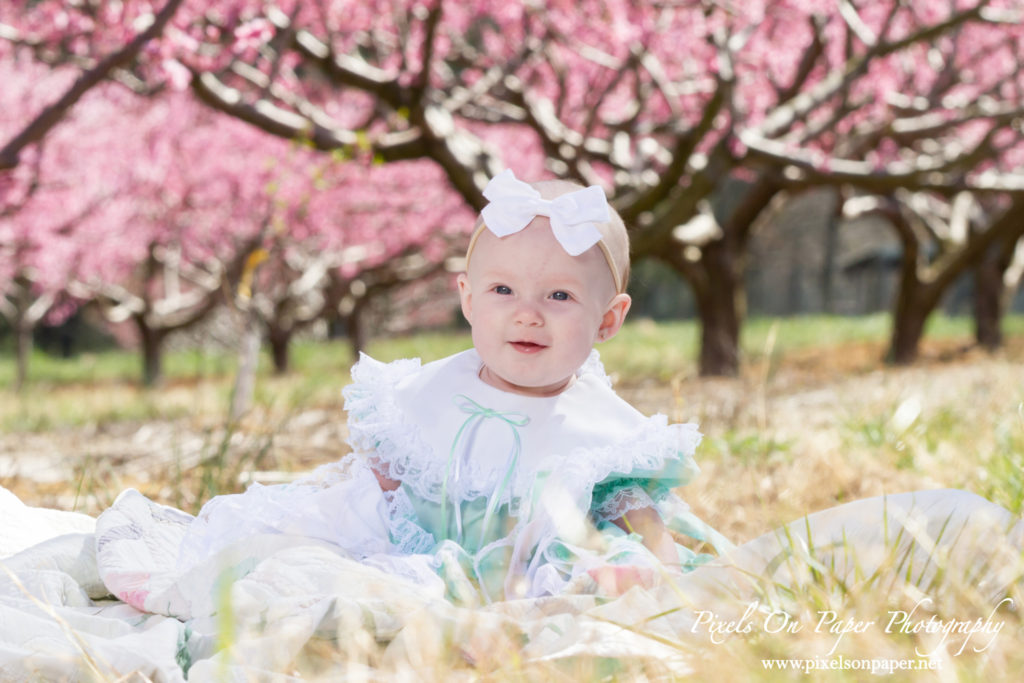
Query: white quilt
{"type": "Point", "coordinates": [104, 599]}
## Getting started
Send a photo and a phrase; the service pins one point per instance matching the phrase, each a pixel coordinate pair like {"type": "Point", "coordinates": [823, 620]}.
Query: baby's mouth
{"type": "Point", "coordinates": [527, 346]}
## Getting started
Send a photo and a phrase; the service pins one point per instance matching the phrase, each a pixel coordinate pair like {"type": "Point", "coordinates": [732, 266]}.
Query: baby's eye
{"type": "Point", "coordinates": [561, 296]}
{"type": "Point", "coordinates": [503, 290]}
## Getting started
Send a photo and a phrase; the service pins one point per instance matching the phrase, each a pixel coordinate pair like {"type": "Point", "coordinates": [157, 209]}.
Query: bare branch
{"type": "Point", "coordinates": [272, 119]}
{"type": "Point", "coordinates": [653, 66]}
{"type": "Point", "coordinates": [943, 176]}
{"type": "Point", "coordinates": [856, 25]}
{"type": "Point", "coordinates": [807, 61]}
{"type": "Point", "coordinates": [422, 81]}
{"type": "Point", "coordinates": [343, 69]}
{"type": "Point", "coordinates": [686, 141]}
{"type": "Point", "coordinates": [12, 207]}
{"type": "Point", "coordinates": [840, 80]}
{"type": "Point", "coordinates": [277, 45]}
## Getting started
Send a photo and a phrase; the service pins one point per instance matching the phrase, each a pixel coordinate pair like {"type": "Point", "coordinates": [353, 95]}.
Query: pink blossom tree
{"type": "Point", "coordinates": [670, 106]}
{"type": "Point", "coordinates": [197, 199]}
{"type": "Point", "coordinates": [116, 46]}
{"type": "Point", "coordinates": [345, 233]}
{"type": "Point", "coordinates": [22, 301]}
{"type": "Point", "coordinates": [142, 206]}
{"type": "Point", "coordinates": [153, 208]}
{"type": "Point", "coordinates": [43, 200]}
{"type": "Point", "coordinates": [780, 95]}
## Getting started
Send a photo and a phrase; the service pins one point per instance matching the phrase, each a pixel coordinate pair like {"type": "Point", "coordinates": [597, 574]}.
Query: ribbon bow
{"type": "Point", "coordinates": [513, 204]}
{"type": "Point", "coordinates": [452, 471]}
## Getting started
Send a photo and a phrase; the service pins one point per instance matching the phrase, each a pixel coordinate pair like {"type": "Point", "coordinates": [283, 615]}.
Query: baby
{"type": "Point", "coordinates": [546, 271]}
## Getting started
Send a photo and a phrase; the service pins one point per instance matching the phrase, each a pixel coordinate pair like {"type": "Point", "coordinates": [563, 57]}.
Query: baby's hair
{"type": "Point", "coordinates": [614, 242]}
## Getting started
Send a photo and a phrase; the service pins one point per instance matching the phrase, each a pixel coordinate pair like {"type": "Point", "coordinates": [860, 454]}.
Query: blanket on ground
{"type": "Point", "coordinates": [105, 598]}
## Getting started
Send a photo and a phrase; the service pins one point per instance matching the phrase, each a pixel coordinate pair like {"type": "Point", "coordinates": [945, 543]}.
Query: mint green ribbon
{"type": "Point", "coordinates": [477, 413]}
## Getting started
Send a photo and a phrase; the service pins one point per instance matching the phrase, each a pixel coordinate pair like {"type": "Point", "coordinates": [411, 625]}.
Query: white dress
{"type": "Point", "coordinates": [502, 495]}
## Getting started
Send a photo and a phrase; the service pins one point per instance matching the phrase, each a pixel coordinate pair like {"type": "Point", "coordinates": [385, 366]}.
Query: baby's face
{"type": "Point", "coordinates": [536, 311]}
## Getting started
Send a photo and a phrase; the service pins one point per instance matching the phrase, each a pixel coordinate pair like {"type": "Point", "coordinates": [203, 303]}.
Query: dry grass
{"type": "Point", "coordinates": [818, 427]}
{"type": "Point", "coordinates": [797, 432]}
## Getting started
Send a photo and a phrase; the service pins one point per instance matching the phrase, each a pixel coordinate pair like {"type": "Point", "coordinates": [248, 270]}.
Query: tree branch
{"type": "Point", "coordinates": [343, 69]}
{"type": "Point", "coordinates": [840, 80]}
{"type": "Point", "coordinates": [422, 81]}
{"type": "Point", "coordinates": [37, 129]}
{"type": "Point", "coordinates": [686, 141]}
{"type": "Point", "coordinates": [807, 62]}
{"type": "Point", "coordinates": [945, 178]}
{"type": "Point", "coordinates": [270, 118]}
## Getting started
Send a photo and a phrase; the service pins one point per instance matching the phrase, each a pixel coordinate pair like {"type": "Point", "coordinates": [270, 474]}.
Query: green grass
{"type": "Point", "coordinates": [644, 350]}
{"type": "Point", "coordinates": [196, 382]}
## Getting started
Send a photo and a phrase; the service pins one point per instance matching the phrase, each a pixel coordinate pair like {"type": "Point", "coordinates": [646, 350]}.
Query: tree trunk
{"type": "Point", "coordinates": [355, 326]}
{"type": "Point", "coordinates": [988, 303]}
{"type": "Point", "coordinates": [720, 305]}
{"type": "Point", "coordinates": [152, 341]}
{"type": "Point", "coordinates": [280, 341]}
{"type": "Point", "coordinates": [21, 325]}
{"type": "Point", "coordinates": [719, 339]}
{"type": "Point", "coordinates": [23, 349]}
{"type": "Point", "coordinates": [915, 301]}
{"type": "Point", "coordinates": [719, 295]}
{"type": "Point", "coordinates": [828, 268]}
{"type": "Point", "coordinates": [248, 361]}
{"type": "Point", "coordinates": [907, 330]}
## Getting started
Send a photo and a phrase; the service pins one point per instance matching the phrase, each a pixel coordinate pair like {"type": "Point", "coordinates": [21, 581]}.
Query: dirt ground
{"type": "Point", "coordinates": [778, 438]}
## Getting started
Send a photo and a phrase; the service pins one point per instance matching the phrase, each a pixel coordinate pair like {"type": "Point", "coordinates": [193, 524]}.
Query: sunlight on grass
{"type": "Point", "coordinates": [798, 431]}
{"type": "Point", "coordinates": [744, 448]}
{"type": "Point", "coordinates": [643, 347]}
{"type": "Point", "coordinates": [199, 381]}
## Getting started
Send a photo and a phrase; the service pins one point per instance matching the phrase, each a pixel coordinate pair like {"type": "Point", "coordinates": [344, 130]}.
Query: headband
{"type": "Point", "coordinates": [513, 204]}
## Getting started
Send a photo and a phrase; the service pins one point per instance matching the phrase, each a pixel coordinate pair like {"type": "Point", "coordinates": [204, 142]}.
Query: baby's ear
{"type": "Point", "coordinates": [614, 316]}
{"type": "Point", "coordinates": [465, 297]}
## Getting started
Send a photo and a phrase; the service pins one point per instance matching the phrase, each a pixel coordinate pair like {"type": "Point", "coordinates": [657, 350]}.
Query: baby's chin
{"type": "Point", "coordinates": [526, 386]}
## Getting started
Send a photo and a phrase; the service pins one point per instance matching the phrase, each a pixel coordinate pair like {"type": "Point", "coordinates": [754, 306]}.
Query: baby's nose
{"type": "Point", "coordinates": [527, 314]}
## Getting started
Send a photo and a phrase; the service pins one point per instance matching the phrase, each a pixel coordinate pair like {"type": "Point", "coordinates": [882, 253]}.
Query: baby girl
{"type": "Point", "coordinates": [478, 448]}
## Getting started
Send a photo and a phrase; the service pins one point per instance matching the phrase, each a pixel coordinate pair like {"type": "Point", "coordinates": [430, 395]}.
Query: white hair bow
{"type": "Point", "coordinates": [513, 204]}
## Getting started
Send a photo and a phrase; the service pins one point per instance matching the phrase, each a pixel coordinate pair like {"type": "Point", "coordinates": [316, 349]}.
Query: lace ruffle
{"type": "Point", "coordinates": [382, 431]}
{"type": "Point", "coordinates": [648, 451]}
{"type": "Point", "coordinates": [407, 536]}
{"type": "Point", "coordinates": [614, 504]}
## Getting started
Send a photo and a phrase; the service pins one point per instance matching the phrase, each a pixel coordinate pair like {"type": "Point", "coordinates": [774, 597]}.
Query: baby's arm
{"type": "Point", "coordinates": [385, 483]}
{"type": "Point", "coordinates": [648, 524]}
{"type": "Point", "coordinates": [617, 579]}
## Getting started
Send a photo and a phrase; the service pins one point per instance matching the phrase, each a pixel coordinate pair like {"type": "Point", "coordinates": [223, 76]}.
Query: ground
{"type": "Point", "coordinates": [793, 435]}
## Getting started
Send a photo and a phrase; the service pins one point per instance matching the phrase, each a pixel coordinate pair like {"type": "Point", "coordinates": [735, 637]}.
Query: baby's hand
{"type": "Point", "coordinates": [614, 580]}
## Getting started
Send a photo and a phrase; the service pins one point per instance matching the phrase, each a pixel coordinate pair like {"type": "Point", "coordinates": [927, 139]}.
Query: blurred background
{"type": "Point", "coordinates": [208, 208]}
